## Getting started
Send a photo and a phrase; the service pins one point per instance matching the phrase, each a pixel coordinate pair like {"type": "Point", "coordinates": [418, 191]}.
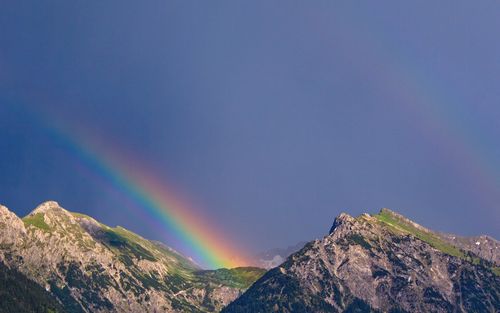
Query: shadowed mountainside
{"type": "Point", "coordinates": [22, 295]}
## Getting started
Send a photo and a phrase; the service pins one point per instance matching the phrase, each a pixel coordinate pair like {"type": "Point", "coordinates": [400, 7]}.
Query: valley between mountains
{"type": "Point", "coordinates": [54, 260]}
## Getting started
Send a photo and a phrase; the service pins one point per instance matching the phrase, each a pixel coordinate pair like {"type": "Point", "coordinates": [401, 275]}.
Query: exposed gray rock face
{"type": "Point", "coordinates": [91, 267]}
{"type": "Point", "coordinates": [380, 263]}
{"type": "Point", "coordinates": [12, 228]}
{"type": "Point", "coordinates": [483, 246]}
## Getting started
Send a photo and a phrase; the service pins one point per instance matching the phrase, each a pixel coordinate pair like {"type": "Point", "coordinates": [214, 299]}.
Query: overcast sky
{"type": "Point", "coordinates": [273, 117]}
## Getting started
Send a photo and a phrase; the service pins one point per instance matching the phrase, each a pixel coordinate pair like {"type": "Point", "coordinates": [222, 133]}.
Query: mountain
{"type": "Point", "coordinates": [90, 267]}
{"type": "Point", "coordinates": [274, 257]}
{"type": "Point", "coordinates": [380, 263]}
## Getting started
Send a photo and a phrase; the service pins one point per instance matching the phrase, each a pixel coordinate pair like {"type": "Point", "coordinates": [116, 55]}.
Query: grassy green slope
{"type": "Point", "coordinates": [240, 277]}
{"type": "Point", "coordinates": [398, 224]}
{"type": "Point", "coordinates": [36, 220]}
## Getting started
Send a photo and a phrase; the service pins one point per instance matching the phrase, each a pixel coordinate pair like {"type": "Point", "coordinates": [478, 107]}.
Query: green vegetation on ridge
{"type": "Point", "coordinates": [399, 225]}
{"type": "Point", "coordinates": [121, 242]}
{"type": "Point", "coordinates": [36, 220]}
{"type": "Point", "coordinates": [80, 215]}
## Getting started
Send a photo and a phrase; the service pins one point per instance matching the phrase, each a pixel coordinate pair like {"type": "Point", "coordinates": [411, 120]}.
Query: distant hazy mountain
{"type": "Point", "coordinates": [90, 267]}
{"type": "Point", "coordinates": [274, 257]}
{"type": "Point", "coordinates": [381, 263]}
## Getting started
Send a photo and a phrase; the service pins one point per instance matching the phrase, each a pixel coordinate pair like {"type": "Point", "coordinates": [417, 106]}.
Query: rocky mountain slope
{"type": "Point", "coordinates": [380, 263]}
{"type": "Point", "coordinates": [90, 267]}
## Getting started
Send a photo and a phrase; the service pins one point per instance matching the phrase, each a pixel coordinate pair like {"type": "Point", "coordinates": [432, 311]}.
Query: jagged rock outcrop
{"type": "Point", "coordinates": [90, 267]}
{"type": "Point", "coordinates": [379, 263]}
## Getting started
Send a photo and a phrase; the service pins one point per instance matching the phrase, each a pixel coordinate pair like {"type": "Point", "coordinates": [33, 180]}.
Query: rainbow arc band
{"type": "Point", "coordinates": [155, 200]}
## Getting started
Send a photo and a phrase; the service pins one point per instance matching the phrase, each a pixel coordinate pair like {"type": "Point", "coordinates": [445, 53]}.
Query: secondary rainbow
{"type": "Point", "coordinates": [431, 109]}
{"type": "Point", "coordinates": [155, 198]}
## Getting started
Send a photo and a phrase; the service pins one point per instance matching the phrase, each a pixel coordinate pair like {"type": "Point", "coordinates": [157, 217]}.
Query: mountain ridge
{"type": "Point", "coordinates": [448, 243]}
{"type": "Point", "coordinates": [91, 267]}
{"type": "Point", "coordinates": [380, 262]}
{"type": "Point", "coordinates": [376, 263]}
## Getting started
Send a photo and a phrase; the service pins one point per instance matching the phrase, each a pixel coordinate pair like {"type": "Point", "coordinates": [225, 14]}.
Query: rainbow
{"type": "Point", "coordinates": [426, 103]}
{"type": "Point", "coordinates": [434, 114]}
{"type": "Point", "coordinates": [152, 196]}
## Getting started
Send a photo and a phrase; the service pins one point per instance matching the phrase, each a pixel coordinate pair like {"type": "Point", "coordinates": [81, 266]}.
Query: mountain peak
{"type": "Point", "coordinates": [48, 206]}
{"type": "Point", "coordinates": [482, 246]}
{"type": "Point", "coordinates": [377, 263]}
{"type": "Point", "coordinates": [389, 211]}
{"type": "Point", "coordinates": [3, 209]}
{"type": "Point", "coordinates": [91, 267]}
{"type": "Point", "coordinates": [341, 219]}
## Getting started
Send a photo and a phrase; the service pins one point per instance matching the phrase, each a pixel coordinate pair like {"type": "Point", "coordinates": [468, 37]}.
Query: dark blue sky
{"type": "Point", "coordinates": [272, 116]}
